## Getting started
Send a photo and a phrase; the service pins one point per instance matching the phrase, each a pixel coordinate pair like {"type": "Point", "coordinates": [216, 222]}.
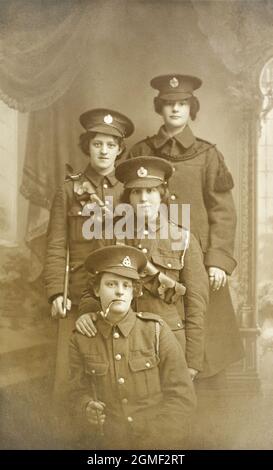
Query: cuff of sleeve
{"type": "Point", "coordinates": [83, 404]}
{"type": "Point", "coordinates": [52, 293]}
{"type": "Point", "coordinates": [220, 260]}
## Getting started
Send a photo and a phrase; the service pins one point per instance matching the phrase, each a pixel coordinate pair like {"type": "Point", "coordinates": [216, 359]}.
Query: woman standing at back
{"type": "Point", "coordinates": [202, 180]}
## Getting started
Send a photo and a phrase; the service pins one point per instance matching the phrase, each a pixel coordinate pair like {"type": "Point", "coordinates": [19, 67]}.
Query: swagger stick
{"type": "Point", "coordinates": [66, 279]}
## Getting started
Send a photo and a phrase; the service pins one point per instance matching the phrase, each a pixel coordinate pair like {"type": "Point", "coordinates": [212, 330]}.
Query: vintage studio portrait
{"type": "Point", "coordinates": [136, 224]}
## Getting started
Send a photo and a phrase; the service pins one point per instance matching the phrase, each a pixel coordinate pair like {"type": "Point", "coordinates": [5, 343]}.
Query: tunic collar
{"type": "Point", "coordinates": [184, 138]}
{"type": "Point", "coordinates": [96, 179]}
{"type": "Point", "coordinates": [125, 325]}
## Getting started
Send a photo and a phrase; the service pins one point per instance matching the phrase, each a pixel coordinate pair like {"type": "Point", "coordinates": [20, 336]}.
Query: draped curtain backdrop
{"type": "Point", "coordinates": [44, 47]}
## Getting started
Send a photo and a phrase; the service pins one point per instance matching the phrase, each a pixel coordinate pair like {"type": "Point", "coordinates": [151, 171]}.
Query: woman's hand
{"type": "Point", "coordinates": [85, 325]}
{"type": "Point", "coordinates": [57, 309]}
{"type": "Point", "coordinates": [217, 278]}
{"type": "Point", "coordinates": [95, 412]}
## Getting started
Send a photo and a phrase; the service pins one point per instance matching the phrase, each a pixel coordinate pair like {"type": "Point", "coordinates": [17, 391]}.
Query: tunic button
{"type": "Point", "coordinates": [124, 401]}
{"type": "Point", "coordinates": [80, 213]}
{"type": "Point", "coordinates": [130, 419]}
{"type": "Point", "coordinates": [169, 265]}
{"type": "Point", "coordinates": [145, 232]}
{"type": "Point", "coordinates": [105, 186]}
{"type": "Point", "coordinates": [173, 197]}
{"type": "Point", "coordinates": [179, 324]}
{"type": "Point", "coordinates": [174, 169]}
{"type": "Point", "coordinates": [121, 380]}
{"type": "Point", "coordinates": [140, 314]}
{"type": "Point", "coordinates": [139, 246]}
{"type": "Point", "coordinates": [107, 203]}
{"type": "Point", "coordinates": [148, 364]}
{"type": "Point", "coordinates": [144, 250]}
{"type": "Point", "coordinates": [118, 357]}
{"type": "Point", "coordinates": [116, 335]}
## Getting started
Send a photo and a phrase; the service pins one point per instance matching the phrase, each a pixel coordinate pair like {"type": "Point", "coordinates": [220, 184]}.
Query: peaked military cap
{"type": "Point", "coordinates": [107, 121]}
{"type": "Point", "coordinates": [123, 260]}
{"type": "Point", "coordinates": [144, 172]}
{"type": "Point", "coordinates": [176, 86]}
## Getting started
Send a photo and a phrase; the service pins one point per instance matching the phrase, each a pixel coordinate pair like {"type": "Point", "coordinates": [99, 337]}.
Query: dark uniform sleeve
{"type": "Point", "coordinates": [179, 401]}
{"type": "Point", "coordinates": [56, 246]}
{"type": "Point", "coordinates": [221, 213]}
{"type": "Point", "coordinates": [88, 303]}
{"type": "Point", "coordinates": [195, 279]}
{"type": "Point", "coordinates": [80, 393]}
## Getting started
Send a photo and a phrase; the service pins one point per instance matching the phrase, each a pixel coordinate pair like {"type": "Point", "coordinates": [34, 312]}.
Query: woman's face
{"type": "Point", "coordinates": [175, 113]}
{"type": "Point", "coordinates": [146, 201]}
{"type": "Point", "coordinates": [115, 292]}
{"type": "Point", "coordinates": [104, 149]}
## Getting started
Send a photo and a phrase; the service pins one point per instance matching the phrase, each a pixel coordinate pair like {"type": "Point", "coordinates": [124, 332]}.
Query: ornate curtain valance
{"type": "Point", "coordinates": [43, 45]}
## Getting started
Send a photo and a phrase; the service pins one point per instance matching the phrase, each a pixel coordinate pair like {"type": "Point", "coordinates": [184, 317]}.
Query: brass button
{"type": "Point", "coordinates": [169, 265]}
{"type": "Point", "coordinates": [116, 335]}
{"type": "Point", "coordinates": [148, 364]}
{"type": "Point", "coordinates": [107, 203]}
{"type": "Point", "coordinates": [79, 212]}
{"type": "Point", "coordinates": [139, 246]}
{"type": "Point", "coordinates": [173, 197]}
{"type": "Point", "coordinates": [144, 250]}
{"type": "Point", "coordinates": [174, 169]}
{"type": "Point", "coordinates": [140, 314]}
{"type": "Point", "coordinates": [118, 357]}
{"type": "Point", "coordinates": [121, 380]}
{"type": "Point", "coordinates": [105, 185]}
{"type": "Point", "coordinates": [124, 401]}
{"type": "Point", "coordinates": [130, 419]}
{"type": "Point", "coordinates": [179, 324]}
{"type": "Point", "coordinates": [146, 232]}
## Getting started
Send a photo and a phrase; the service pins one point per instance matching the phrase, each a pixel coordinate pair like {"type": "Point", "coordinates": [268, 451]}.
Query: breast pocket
{"type": "Point", "coordinates": [75, 223]}
{"type": "Point", "coordinates": [96, 369]}
{"type": "Point", "coordinates": [168, 263]}
{"type": "Point", "coordinates": [145, 372]}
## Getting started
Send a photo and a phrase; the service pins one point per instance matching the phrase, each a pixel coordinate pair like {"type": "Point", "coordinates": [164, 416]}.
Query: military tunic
{"type": "Point", "coordinates": [180, 257]}
{"type": "Point", "coordinates": [66, 230]}
{"type": "Point", "coordinates": [202, 180]}
{"type": "Point", "coordinates": [138, 371]}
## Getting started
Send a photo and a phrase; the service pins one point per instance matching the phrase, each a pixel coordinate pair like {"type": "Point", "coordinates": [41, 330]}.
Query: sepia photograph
{"type": "Point", "coordinates": [136, 226]}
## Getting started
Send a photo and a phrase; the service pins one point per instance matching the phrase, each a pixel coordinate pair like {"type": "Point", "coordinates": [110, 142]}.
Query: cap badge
{"type": "Point", "coordinates": [174, 82]}
{"type": "Point", "coordinates": [127, 262]}
{"type": "Point", "coordinates": [142, 172]}
{"type": "Point", "coordinates": [108, 119]}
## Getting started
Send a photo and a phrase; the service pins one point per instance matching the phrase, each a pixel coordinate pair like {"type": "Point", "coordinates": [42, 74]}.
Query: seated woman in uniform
{"type": "Point", "coordinates": [130, 387]}
{"type": "Point", "coordinates": [175, 263]}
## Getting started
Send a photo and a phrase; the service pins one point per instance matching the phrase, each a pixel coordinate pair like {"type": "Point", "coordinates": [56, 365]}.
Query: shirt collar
{"type": "Point", "coordinates": [96, 179]}
{"type": "Point", "coordinates": [184, 138]}
{"type": "Point", "coordinates": [124, 326]}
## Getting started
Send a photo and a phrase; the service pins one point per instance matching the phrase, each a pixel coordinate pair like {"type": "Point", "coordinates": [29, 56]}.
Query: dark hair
{"type": "Point", "coordinates": [84, 142]}
{"type": "Point", "coordinates": [95, 284]}
{"type": "Point", "coordinates": [163, 191]}
{"type": "Point", "coordinates": [192, 101]}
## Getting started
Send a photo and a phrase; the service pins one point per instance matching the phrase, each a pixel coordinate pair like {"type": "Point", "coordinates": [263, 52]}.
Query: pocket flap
{"type": "Point", "coordinates": [96, 368]}
{"type": "Point", "coordinates": [143, 362]}
{"type": "Point", "coordinates": [167, 261]}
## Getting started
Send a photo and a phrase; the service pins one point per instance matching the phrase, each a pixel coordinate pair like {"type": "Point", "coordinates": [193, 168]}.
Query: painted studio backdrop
{"type": "Point", "coordinates": [60, 58]}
